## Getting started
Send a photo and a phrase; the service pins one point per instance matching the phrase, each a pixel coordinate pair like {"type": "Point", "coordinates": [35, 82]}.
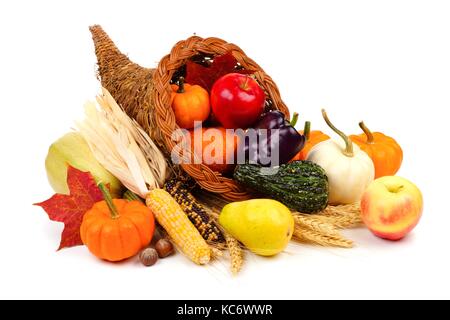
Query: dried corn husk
{"type": "Point", "coordinates": [122, 146]}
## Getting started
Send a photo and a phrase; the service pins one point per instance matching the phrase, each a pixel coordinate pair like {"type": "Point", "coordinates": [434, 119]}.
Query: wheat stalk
{"type": "Point", "coordinates": [344, 216]}
{"type": "Point", "coordinates": [344, 222]}
{"type": "Point", "coordinates": [315, 223]}
{"type": "Point", "coordinates": [236, 254]}
{"type": "Point", "coordinates": [234, 247]}
{"type": "Point", "coordinates": [319, 230]}
{"type": "Point", "coordinates": [342, 210]}
{"type": "Point", "coordinates": [313, 237]}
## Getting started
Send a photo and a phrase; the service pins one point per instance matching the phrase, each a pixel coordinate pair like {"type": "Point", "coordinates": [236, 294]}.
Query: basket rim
{"type": "Point", "coordinates": [180, 53]}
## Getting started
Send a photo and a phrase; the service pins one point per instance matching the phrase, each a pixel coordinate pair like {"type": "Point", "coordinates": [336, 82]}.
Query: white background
{"type": "Point", "coordinates": [387, 62]}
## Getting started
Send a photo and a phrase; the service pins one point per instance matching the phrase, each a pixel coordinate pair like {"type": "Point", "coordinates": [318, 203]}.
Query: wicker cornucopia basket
{"type": "Point", "coordinates": [145, 95]}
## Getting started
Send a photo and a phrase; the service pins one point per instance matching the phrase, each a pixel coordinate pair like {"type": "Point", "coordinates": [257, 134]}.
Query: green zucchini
{"type": "Point", "coordinates": [300, 185]}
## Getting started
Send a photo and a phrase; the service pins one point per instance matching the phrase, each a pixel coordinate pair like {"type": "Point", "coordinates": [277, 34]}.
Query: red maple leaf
{"type": "Point", "coordinates": [71, 208]}
{"type": "Point", "coordinates": [207, 76]}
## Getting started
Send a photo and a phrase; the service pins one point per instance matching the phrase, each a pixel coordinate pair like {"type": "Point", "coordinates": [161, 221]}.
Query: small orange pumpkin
{"type": "Point", "coordinates": [117, 229]}
{"type": "Point", "coordinates": [312, 138]}
{"type": "Point", "coordinates": [190, 104]}
{"type": "Point", "coordinates": [385, 152]}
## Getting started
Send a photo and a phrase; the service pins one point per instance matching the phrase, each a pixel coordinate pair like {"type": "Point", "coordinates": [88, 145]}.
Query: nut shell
{"type": "Point", "coordinates": [148, 257]}
{"type": "Point", "coordinates": [164, 248]}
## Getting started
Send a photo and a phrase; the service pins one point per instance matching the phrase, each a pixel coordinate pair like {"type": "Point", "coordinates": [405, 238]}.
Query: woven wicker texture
{"type": "Point", "coordinates": [145, 95]}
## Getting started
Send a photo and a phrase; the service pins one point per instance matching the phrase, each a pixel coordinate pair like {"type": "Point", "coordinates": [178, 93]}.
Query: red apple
{"type": "Point", "coordinates": [237, 101]}
{"type": "Point", "coordinates": [391, 207]}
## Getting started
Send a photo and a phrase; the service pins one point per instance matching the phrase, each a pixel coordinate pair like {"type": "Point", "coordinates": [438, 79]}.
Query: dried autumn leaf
{"type": "Point", "coordinates": [207, 76]}
{"type": "Point", "coordinates": [71, 208]}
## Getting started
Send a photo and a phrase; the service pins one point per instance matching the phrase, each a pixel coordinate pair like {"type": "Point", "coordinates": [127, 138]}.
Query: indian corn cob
{"type": "Point", "coordinates": [181, 231]}
{"type": "Point", "coordinates": [194, 210]}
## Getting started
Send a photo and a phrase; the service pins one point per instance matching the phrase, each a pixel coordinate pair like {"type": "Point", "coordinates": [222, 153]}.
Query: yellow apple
{"type": "Point", "coordinates": [391, 207]}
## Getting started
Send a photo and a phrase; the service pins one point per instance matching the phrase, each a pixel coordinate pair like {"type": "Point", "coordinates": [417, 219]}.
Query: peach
{"type": "Point", "coordinates": [391, 207]}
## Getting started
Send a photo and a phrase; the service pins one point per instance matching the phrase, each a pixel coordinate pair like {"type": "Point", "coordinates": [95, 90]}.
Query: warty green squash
{"type": "Point", "coordinates": [300, 185]}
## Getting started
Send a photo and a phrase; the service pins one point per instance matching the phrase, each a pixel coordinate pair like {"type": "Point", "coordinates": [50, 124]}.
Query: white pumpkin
{"type": "Point", "coordinates": [349, 169]}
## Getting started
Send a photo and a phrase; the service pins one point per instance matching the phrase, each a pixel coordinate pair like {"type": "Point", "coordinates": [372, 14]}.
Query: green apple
{"type": "Point", "coordinates": [72, 149]}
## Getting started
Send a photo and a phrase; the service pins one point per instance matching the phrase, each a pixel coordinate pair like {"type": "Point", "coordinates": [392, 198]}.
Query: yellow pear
{"type": "Point", "coordinates": [264, 226]}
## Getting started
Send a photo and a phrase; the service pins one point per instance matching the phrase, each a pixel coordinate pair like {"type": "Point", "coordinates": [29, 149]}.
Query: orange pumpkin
{"type": "Point", "coordinates": [312, 138]}
{"type": "Point", "coordinates": [385, 152]}
{"type": "Point", "coordinates": [117, 229]}
{"type": "Point", "coordinates": [190, 104]}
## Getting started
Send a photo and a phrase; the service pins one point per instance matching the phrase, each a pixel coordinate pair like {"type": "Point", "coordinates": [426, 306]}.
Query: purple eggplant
{"type": "Point", "coordinates": [273, 140]}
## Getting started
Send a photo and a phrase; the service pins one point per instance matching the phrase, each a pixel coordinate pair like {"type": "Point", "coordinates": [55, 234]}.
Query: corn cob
{"type": "Point", "coordinates": [181, 231]}
{"type": "Point", "coordinates": [194, 210]}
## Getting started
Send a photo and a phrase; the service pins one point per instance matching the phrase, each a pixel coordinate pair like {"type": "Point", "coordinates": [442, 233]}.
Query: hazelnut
{"type": "Point", "coordinates": [148, 257]}
{"type": "Point", "coordinates": [164, 248]}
